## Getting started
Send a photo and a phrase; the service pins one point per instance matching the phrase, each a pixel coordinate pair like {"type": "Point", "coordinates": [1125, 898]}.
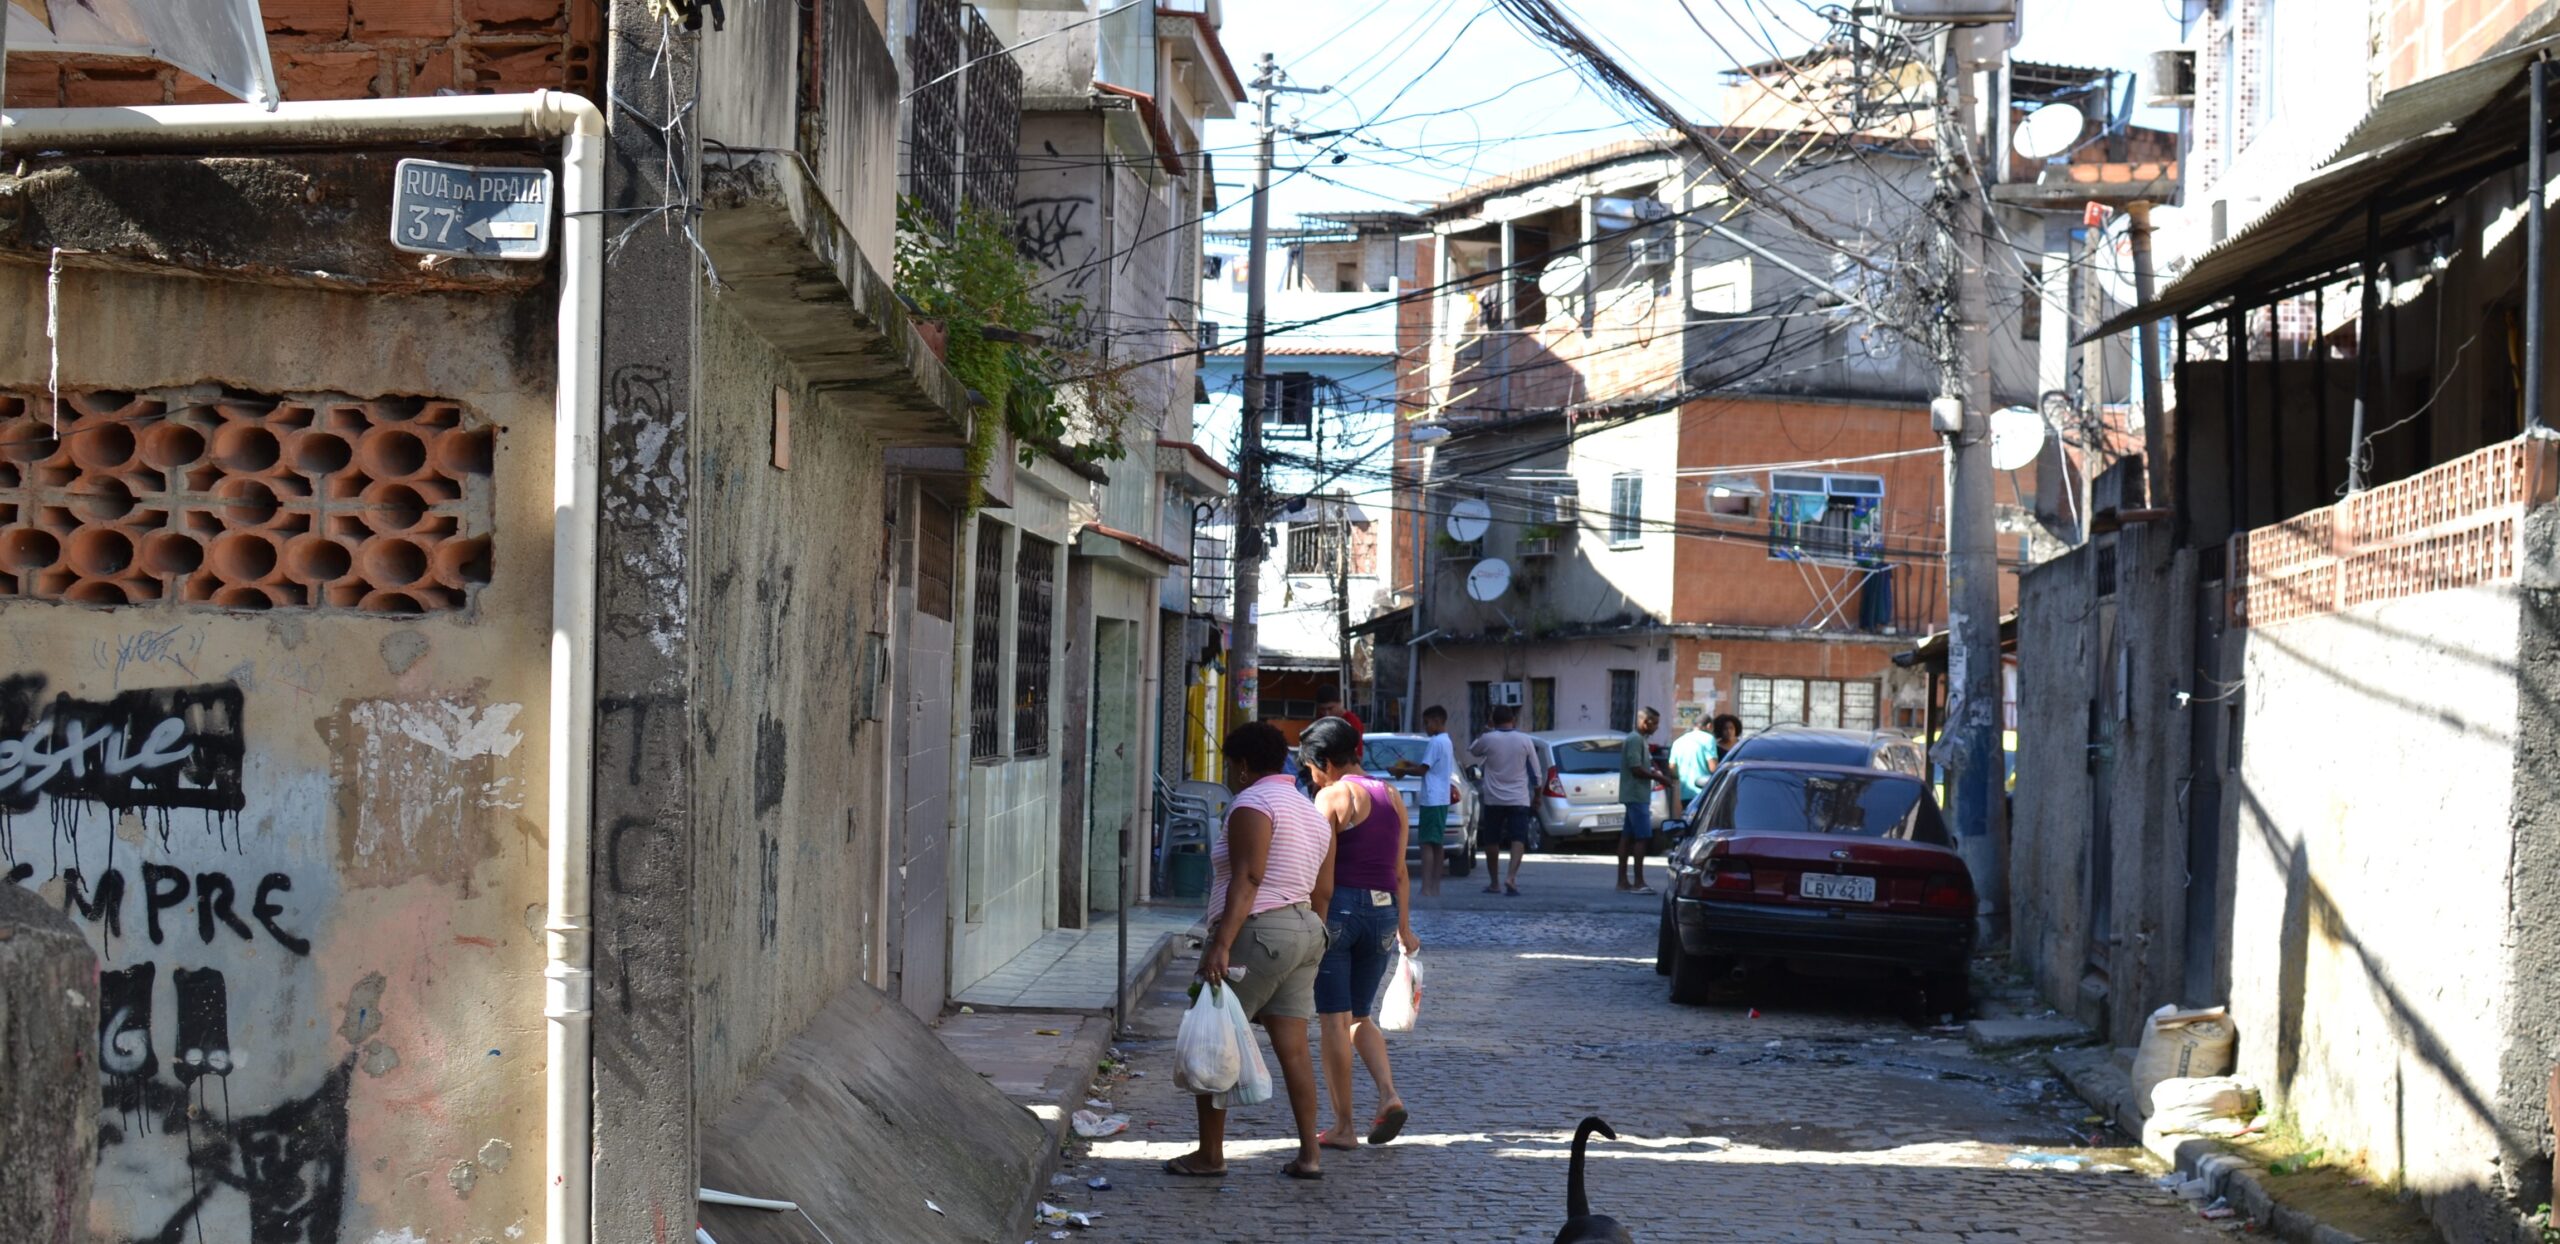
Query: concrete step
{"type": "Point", "coordinates": [1990, 1035]}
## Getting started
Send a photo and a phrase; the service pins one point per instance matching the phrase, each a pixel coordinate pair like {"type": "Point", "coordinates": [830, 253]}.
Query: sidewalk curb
{"type": "Point", "coordinates": [2092, 1073]}
{"type": "Point", "coordinates": [1073, 1082]}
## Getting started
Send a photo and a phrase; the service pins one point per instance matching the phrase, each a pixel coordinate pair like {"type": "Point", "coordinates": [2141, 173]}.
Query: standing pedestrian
{"type": "Point", "coordinates": [1438, 770]}
{"type": "Point", "coordinates": [1370, 913]}
{"type": "Point", "coordinates": [1636, 775]}
{"type": "Point", "coordinates": [1693, 758]}
{"type": "Point", "coordinates": [1329, 704]}
{"type": "Point", "coordinates": [1728, 732]}
{"type": "Point", "coordinates": [1271, 872]}
{"type": "Point", "coordinates": [1509, 760]}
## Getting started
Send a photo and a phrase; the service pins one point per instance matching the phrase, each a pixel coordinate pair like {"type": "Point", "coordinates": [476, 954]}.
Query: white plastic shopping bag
{"type": "Point", "coordinates": [1206, 1058]}
{"type": "Point", "coordinates": [1253, 1080]}
{"type": "Point", "coordinates": [1400, 1003]}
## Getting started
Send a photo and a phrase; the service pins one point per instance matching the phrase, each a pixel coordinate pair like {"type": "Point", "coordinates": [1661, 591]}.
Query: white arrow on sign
{"type": "Point", "coordinates": [509, 230]}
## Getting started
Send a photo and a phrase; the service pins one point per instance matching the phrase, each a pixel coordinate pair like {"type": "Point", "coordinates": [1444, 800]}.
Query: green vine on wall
{"type": "Point", "coordinates": [1015, 349]}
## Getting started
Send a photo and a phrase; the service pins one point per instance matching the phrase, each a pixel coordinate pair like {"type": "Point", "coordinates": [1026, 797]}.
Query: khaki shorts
{"type": "Point", "coordinates": [1279, 950]}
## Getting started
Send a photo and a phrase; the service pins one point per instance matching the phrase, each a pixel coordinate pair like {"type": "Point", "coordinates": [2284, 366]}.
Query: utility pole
{"type": "Point", "coordinates": [1972, 748]}
{"type": "Point", "coordinates": [1253, 501]}
{"type": "Point", "coordinates": [1342, 598]}
{"type": "Point", "coordinates": [2146, 338]}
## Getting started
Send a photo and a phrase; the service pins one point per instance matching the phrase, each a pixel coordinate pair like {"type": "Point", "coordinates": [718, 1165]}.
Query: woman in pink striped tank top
{"type": "Point", "coordinates": [1272, 871]}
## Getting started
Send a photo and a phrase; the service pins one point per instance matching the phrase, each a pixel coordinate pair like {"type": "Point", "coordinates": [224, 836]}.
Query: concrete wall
{"type": "Point", "coordinates": [789, 796]}
{"type": "Point", "coordinates": [2101, 734]}
{"type": "Point", "coordinates": [1580, 669]}
{"type": "Point", "coordinates": [2374, 844]}
{"type": "Point", "coordinates": [317, 891]}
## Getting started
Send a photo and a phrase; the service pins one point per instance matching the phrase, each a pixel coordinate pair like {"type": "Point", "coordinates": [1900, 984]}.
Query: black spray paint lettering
{"type": "Point", "coordinates": [287, 1163]}
{"type": "Point", "coordinates": [167, 747]}
{"type": "Point", "coordinates": [164, 888]}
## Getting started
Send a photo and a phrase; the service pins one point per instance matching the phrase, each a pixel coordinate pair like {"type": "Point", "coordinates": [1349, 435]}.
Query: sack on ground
{"type": "Point", "coordinates": [1400, 1002]}
{"type": "Point", "coordinates": [1253, 1078]}
{"type": "Point", "coordinates": [2181, 1045]}
{"type": "Point", "coordinates": [1205, 1056]}
{"type": "Point", "coordinates": [2202, 1106]}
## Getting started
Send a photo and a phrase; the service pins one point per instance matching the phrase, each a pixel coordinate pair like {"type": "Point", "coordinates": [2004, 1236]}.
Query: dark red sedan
{"type": "Point", "coordinates": [1795, 861]}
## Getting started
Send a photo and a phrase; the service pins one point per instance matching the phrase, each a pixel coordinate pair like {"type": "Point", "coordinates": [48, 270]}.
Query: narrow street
{"type": "Point", "coordinates": [1827, 1118]}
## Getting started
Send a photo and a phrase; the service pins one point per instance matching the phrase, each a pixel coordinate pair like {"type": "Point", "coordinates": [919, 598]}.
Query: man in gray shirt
{"type": "Point", "coordinates": [1510, 780]}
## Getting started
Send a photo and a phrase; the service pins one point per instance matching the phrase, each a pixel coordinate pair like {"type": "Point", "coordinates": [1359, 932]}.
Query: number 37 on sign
{"type": "Point", "coordinates": [476, 212]}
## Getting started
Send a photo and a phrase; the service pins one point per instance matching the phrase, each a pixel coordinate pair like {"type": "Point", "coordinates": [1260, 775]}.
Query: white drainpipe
{"type": "Point", "coordinates": [568, 999]}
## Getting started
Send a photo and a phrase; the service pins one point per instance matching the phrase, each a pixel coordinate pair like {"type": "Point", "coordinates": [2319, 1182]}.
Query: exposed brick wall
{"type": "Point", "coordinates": [1734, 581]}
{"type": "Point", "coordinates": [359, 49]}
{"type": "Point", "coordinates": [2423, 38]}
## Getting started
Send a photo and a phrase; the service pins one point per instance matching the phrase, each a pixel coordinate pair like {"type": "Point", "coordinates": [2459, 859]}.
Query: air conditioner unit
{"type": "Point", "coordinates": [1954, 12]}
{"type": "Point", "coordinates": [2172, 79]}
{"type": "Point", "coordinates": [1649, 250]}
{"type": "Point", "coordinates": [1503, 694]}
{"type": "Point", "coordinates": [1537, 546]}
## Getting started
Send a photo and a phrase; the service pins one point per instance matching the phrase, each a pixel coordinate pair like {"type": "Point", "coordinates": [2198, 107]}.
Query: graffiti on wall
{"type": "Point", "coordinates": [206, 1131]}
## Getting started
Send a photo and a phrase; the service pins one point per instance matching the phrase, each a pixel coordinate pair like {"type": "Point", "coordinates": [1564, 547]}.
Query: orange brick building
{"type": "Point", "coordinates": [1694, 461]}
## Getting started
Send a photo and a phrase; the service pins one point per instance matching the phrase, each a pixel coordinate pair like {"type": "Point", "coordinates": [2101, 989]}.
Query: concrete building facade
{"type": "Point", "coordinates": [406, 929]}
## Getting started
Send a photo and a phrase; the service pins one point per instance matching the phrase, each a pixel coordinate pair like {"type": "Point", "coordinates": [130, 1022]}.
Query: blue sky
{"type": "Point", "coordinates": [1451, 92]}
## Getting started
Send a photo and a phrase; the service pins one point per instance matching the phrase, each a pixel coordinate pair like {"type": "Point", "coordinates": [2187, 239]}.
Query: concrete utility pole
{"type": "Point", "coordinates": [1971, 750]}
{"type": "Point", "coordinates": [2146, 338]}
{"type": "Point", "coordinates": [1253, 501]}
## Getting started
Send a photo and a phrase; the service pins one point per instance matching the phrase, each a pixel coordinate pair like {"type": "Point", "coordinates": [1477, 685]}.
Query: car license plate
{"type": "Point", "coordinates": [1844, 889]}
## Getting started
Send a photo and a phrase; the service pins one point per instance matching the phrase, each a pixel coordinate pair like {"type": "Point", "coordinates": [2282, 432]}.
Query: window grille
{"type": "Point", "coordinates": [1479, 708]}
{"type": "Point", "coordinates": [1622, 699]}
{"type": "Point", "coordinates": [933, 125]}
{"type": "Point", "coordinates": [1626, 510]}
{"type": "Point", "coordinates": [1542, 704]}
{"type": "Point", "coordinates": [986, 646]}
{"type": "Point", "coordinates": [1034, 571]}
{"type": "Point", "coordinates": [1766, 702]}
{"type": "Point", "coordinates": [994, 120]}
{"type": "Point", "coordinates": [1315, 548]}
{"type": "Point", "coordinates": [1826, 518]}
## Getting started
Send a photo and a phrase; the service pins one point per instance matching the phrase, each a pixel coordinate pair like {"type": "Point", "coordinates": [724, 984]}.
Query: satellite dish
{"type": "Point", "coordinates": [2049, 131]}
{"type": "Point", "coordinates": [2017, 436]}
{"type": "Point", "coordinates": [1468, 520]}
{"type": "Point", "coordinates": [1563, 277]}
{"type": "Point", "coordinates": [1489, 580]}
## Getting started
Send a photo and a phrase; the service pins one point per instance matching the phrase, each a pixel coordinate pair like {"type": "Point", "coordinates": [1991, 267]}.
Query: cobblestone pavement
{"type": "Point", "coordinates": [1829, 1117]}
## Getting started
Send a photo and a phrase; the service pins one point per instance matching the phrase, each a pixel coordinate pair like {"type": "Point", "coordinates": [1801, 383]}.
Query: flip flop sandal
{"type": "Point", "coordinates": [1294, 1171]}
{"type": "Point", "coordinates": [1176, 1166]}
{"type": "Point", "coordinates": [1388, 1126]}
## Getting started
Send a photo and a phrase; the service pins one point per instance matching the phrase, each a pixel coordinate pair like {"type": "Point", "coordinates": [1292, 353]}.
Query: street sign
{"type": "Point", "coordinates": [478, 213]}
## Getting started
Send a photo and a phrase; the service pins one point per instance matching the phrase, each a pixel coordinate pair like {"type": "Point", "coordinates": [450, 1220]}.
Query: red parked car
{"type": "Point", "coordinates": [1797, 861]}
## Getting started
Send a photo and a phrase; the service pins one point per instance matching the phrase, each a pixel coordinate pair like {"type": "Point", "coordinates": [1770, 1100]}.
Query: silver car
{"type": "Point", "coordinates": [1578, 797]}
{"type": "Point", "coordinates": [1378, 755]}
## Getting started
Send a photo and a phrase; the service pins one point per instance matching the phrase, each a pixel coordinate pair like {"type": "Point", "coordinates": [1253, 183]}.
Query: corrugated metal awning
{"type": "Point", "coordinates": [2426, 140]}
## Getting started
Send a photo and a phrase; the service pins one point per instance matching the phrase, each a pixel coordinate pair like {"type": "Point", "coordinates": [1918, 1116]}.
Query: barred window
{"type": "Point", "coordinates": [1035, 582]}
{"type": "Point", "coordinates": [1766, 702]}
{"type": "Point", "coordinates": [986, 647]}
{"type": "Point", "coordinates": [1314, 548]}
{"type": "Point", "coordinates": [1622, 699]}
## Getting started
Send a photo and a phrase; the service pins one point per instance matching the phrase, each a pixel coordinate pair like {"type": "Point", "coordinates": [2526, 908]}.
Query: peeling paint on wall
{"type": "Point", "coordinates": [418, 781]}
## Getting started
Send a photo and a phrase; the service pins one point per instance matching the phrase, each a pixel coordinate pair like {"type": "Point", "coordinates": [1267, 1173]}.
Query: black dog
{"type": "Point", "coordinates": [1581, 1226]}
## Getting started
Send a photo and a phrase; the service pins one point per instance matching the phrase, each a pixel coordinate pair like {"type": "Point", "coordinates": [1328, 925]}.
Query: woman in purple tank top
{"type": "Point", "coordinates": [1369, 914]}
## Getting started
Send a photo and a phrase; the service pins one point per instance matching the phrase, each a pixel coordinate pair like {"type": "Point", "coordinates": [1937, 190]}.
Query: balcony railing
{"type": "Point", "coordinates": [2457, 525]}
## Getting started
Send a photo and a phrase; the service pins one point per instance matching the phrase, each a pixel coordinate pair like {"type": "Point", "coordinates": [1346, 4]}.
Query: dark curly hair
{"type": "Point", "coordinates": [1257, 745]}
